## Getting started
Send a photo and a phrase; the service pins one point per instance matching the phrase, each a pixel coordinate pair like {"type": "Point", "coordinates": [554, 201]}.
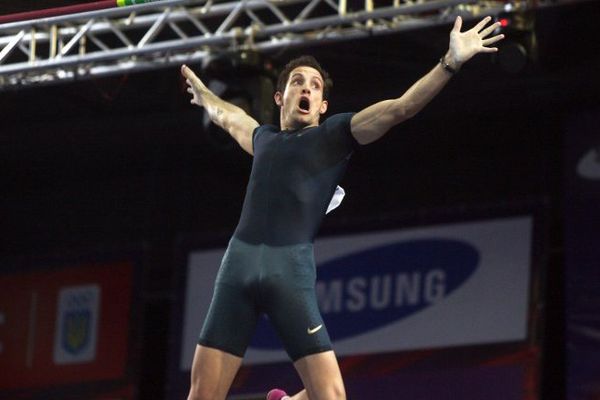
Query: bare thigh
{"type": "Point", "coordinates": [321, 376]}
{"type": "Point", "coordinates": [213, 372]}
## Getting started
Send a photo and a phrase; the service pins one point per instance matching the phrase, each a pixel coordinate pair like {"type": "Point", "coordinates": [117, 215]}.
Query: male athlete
{"type": "Point", "coordinates": [269, 266]}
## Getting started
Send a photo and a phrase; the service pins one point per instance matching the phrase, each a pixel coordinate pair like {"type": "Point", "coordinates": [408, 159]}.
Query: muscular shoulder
{"type": "Point", "coordinates": [339, 121]}
{"type": "Point", "coordinates": [263, 131]}
{"type": "Point", "coordinates": [338, 133]}
{"type": "Point", "coordinates": [265, 128]}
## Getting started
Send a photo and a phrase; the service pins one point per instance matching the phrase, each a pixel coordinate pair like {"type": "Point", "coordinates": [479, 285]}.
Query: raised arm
{"type": "Point", "coordinates": [231, 118]}
{"type": "Point", "coordinates": [374, 121]}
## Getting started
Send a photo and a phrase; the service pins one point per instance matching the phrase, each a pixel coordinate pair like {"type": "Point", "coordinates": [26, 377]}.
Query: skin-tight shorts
{"type": "Point", "coordinates": [278, 281]}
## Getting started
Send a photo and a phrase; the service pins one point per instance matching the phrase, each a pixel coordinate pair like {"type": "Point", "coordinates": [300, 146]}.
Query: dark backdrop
{"type": "Point", "coordinates": [117, 161]}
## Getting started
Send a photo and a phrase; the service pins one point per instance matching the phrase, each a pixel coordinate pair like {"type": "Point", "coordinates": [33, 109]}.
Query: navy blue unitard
{"type": "Point", "coordinates": [269, 264]}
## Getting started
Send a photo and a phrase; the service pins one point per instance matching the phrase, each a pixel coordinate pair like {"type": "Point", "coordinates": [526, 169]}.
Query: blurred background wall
{"type": "Point", "coordinates": [116, 176]}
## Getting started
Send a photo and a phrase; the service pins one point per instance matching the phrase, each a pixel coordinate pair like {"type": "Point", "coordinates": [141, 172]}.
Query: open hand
{"type": "Point", "coordinates": [195, 86]}
{"type": "Point", "coordinates": [464, 45]}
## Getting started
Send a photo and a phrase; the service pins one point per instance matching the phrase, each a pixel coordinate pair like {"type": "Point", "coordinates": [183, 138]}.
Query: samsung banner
{"type": "Point", "coordinates": [433, 287]}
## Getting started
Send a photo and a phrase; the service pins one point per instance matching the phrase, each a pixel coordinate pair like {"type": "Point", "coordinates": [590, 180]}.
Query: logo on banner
{"type": "Point", "coordinates": [363, 291]}
{"type": "Point", "coordinates": [76, 332]}
{"type": "Point", "coordinates": [589, 165]}
{"type": "Point", "coordinates": [77, 324]}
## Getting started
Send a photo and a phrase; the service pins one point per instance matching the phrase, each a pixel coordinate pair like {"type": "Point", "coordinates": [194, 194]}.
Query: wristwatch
{"type": "Point", "coordinates": [446, 66]}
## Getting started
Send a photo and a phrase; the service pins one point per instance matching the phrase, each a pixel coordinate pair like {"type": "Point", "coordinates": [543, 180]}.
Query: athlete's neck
{"type": "Point", "coordinates": [297, 127]}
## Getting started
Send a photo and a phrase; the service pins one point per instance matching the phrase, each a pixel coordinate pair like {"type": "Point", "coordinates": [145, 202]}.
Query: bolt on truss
{"type": "Point", "coordinates": [170, 32]}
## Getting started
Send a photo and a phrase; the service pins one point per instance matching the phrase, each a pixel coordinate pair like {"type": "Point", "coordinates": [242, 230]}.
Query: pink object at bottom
{"type": "Point", "coordinates": [276, 394]}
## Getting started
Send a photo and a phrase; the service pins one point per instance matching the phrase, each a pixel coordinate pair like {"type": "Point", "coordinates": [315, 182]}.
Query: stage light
{"type": "Point", "coordinates": [519, 48]}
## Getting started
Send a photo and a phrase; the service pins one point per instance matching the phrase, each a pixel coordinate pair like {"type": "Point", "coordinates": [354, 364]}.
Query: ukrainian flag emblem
{"type": "Point", "coordinates": [77, 319]}
{"type": "Point", "coordinates": [76, 331]}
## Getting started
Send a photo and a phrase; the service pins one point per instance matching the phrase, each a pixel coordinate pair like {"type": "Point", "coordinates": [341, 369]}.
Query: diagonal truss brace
{"type": "Point", "coordinates": [166, 33]}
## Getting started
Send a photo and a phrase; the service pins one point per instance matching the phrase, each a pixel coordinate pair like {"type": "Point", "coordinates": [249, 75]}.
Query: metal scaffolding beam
{"type": "Point", "coordinates": [166, 33]}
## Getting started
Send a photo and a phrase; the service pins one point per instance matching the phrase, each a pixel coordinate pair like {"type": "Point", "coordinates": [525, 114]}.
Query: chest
{"type": "Point", "coordinates": [292, 152]}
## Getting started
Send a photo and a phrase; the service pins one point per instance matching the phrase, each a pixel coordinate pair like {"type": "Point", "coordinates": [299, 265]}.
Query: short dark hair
{"type": "Point", "coordinates": [304, 61]}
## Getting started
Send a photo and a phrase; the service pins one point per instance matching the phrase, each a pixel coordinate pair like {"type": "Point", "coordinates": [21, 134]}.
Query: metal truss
{"type": "Point", "coordinates": [166, 33]}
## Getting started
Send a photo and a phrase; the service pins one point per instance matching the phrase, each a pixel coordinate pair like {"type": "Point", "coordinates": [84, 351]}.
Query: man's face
{"type": "Point", "coordinates": [301, 104]}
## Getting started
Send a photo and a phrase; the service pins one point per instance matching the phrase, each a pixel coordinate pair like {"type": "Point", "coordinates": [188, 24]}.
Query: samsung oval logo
{"type": "Point", "coordinates": [375, 287]}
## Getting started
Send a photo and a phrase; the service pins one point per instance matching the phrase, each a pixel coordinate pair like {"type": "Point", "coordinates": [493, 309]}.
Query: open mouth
{"type": "Point", "coordinates": [304, 104]}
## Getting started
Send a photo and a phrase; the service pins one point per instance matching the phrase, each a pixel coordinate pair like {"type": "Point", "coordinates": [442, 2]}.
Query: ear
{"type": "Point", "coordinates": [278, 96]}
{"type": "Point", "coordinates": [324, 106]}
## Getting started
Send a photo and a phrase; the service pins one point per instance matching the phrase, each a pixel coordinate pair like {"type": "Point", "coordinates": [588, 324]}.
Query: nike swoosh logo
{"type": "Point", "coordinates": [313, 330]}
{"type": "Point", "coordinates": [589, 165]}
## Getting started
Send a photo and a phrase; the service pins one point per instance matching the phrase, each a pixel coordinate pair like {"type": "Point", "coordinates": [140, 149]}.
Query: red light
{"type": "Point", "coordinates": [504, 22]}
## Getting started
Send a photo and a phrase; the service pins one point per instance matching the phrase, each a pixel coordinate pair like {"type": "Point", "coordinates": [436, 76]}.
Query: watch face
{"type": "Point", "coordinates": [446, 66]}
